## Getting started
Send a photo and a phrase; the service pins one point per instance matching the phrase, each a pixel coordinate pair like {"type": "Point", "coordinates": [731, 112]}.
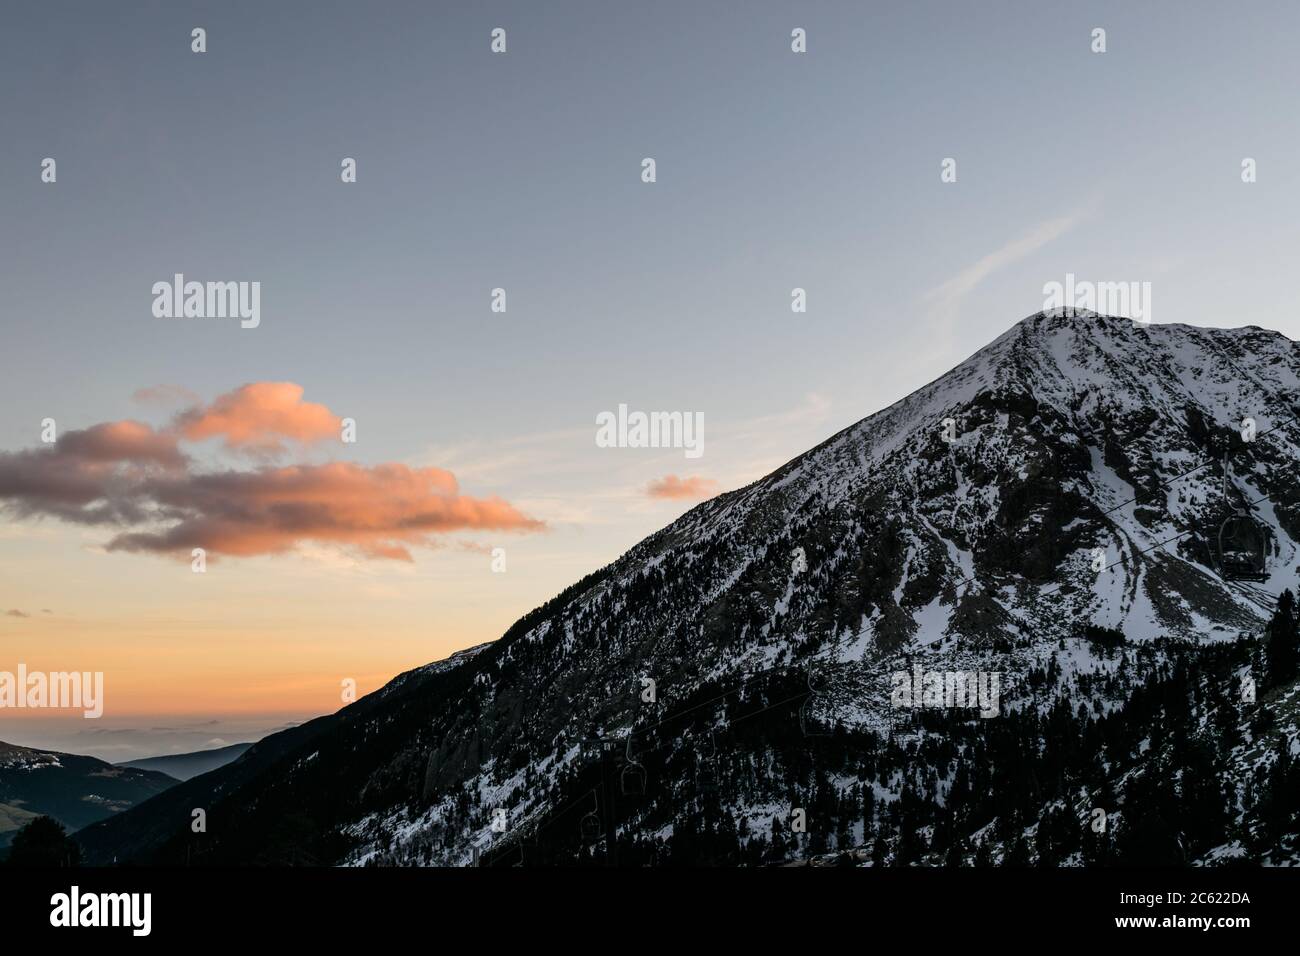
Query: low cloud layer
{"type": "Point", "coordinates": [138, 480]}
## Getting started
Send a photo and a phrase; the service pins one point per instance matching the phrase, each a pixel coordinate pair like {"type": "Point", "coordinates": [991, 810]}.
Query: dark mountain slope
{"type": "Point", "coordinates": [185, 766]}
{"type": "Point", "coordinates": [264, 782]}
{"type": "Point", "coordinates": [74, 790]}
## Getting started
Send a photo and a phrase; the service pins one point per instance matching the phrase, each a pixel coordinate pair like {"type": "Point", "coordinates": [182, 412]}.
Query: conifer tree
{"type": "Point", "coordinates": [1282, 650]}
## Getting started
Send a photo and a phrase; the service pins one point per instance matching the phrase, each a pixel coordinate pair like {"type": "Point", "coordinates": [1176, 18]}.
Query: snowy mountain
{"type": "Point", "coordinates": [1045, 517]}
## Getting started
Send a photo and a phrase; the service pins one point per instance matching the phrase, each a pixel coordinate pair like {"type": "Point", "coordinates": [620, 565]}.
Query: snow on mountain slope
{"type": "Point", "coordinates": [1068, 433]}
{"type": "Point", "coordinates": [960, 528]}
{"type": "Point", "coordinates": [1075, 427]}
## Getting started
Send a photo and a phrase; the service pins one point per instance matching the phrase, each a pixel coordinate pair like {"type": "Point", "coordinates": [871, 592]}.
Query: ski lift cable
{"type": "Point", "coordinates": [550, 818]}
{"type": "Point", "coordinates": [1169, 481]}
{"type": "Point", "coordinates": [1159, 544]}
{"type": "Point", "coordinates": [1258, 592]}
{"type": "Point", "coordinates": [832, 652]}
{"type": "Point", "coordinates": [685, 667]}
{"type": "Point", "coordinates": [767, 672]}
{"type": "Point", "coordinates": [1262, 387]}
{"type": "Point", "coordinates": [547, 820]}
{"type": "Point", "coordinates": [761, 710]}
{"type": "Point", "coordinates": [616, 698]}
{"type": "Point", "coordinates": [542, 822]}
{"type": "Point", "coordinates": [713, 700]}
{"type": "Point", "coordinates": [1164, 484]}
{"type": "Point", "coordinates": [720, 697]}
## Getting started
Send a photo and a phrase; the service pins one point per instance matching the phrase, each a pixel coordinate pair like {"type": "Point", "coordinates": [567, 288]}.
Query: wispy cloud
{"type": "Point", "coordinates": [945, 301]}
{"type": "Point", "coordinates": [165, 396]}
{"type": "Point", "coordinates": [741, 449]}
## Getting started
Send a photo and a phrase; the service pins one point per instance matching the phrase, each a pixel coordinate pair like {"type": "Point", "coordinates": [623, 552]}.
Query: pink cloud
{"type": "Point", "coordinates": [86, 476]}
{"type": "Point", "coordinates": [131, 476]}
{"type": "Point", "coordinates": [121, 441]}
{"type": "Point", "coordinates": [670, 486]}
{"type": "Point", "coordinates": [380, 510]}
{"type": "Point", "coordinates": [257, 416]}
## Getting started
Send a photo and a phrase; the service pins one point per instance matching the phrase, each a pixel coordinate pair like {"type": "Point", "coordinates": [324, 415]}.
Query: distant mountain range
{"type": "Point", "coordinates": [74, 790]}
{"type": "Point", "coordinates": [1049, 511]}
{"type": "Point", "coordinates": [185, 766]}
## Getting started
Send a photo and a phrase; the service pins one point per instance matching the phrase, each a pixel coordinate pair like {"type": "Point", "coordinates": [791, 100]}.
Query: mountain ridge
{"type": "Point", "coordinates": [76, 790]}
{"type": "Point", "coordinates": [186, 765]}
{"type": "Point", "coordinates": [960, 526]}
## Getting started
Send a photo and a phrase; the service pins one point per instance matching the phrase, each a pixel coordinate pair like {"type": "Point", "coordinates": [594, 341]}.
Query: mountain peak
{"type": "Point", "coordinates": [1064, 482]}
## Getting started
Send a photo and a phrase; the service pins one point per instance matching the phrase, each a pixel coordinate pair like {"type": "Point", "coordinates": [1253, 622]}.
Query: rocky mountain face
{"type": "Point", "coordinates": [1042, 523]}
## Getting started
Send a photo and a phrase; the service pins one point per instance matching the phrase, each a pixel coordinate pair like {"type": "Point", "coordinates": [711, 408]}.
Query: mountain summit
{"type": "Point", "coordinates": [1060, 493]}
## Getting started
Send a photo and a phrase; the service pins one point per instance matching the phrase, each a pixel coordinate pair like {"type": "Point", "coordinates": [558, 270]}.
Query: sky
{"type": "Point", "coordinates": [475, 429]}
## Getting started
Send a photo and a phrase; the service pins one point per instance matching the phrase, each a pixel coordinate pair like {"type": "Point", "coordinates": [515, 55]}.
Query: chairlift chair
{"type": "Point", "coordinates": [1242, 548]}
{"type": "Point", "coordinates": [810, 726]}
{"type": "Point", "coordinates": [590, 824]}
{"type": "Point", "coordinates": [633, 779]}
{"type": "Point", "coordinates": [525, 841]}
{"type": "Point", "coordinates": [905, 729]}
{"type": "Point", "coordinates": [706, 770]}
